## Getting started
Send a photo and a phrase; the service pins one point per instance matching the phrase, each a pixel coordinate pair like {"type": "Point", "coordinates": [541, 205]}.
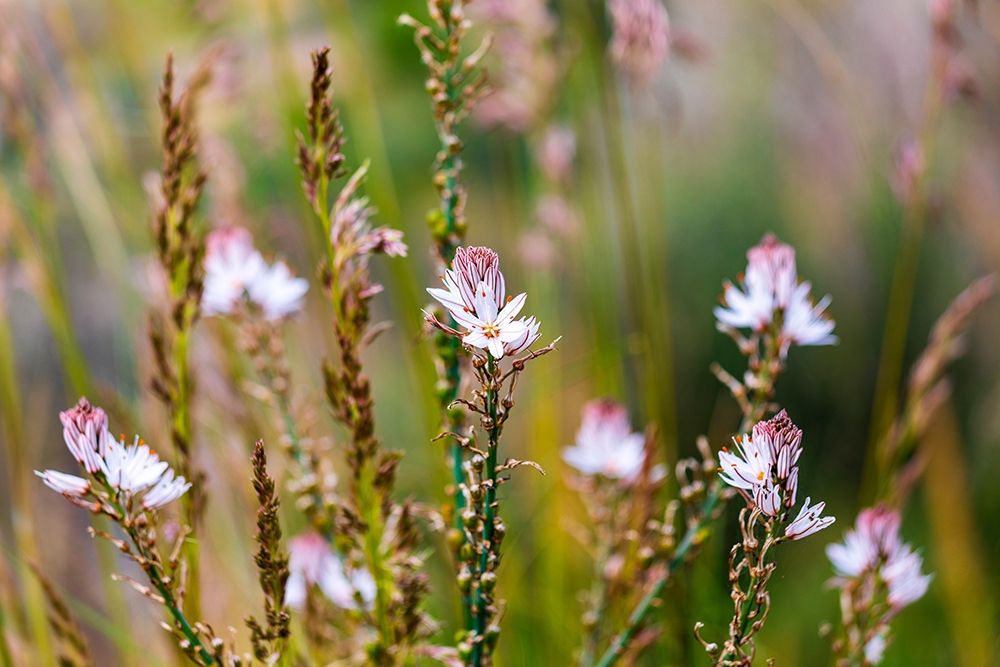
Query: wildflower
{"type": "Point", "coordinates": [750, 468]}
{"type": "Point", "coordinates": [135, 472]}
{"type": "Point", "coordinates": [138, 471]}
{"type": "Point", "coordinates": [235, 270]}
{"type": "Point", "coordinates": [771, 295]}
{"type": "Point", "coordinates": [875, 537]}
{"type": "Point", "coordinates": [277, 292]}
{"type": "Point", "coordinates": [808, 521]}
{"type": "Point", "coordinates": [875, 546]}
{"type": "Point", "coordinates": [878, 575]}
{"type": "Point", "coordinates": [906, 583]}
{"type": "Point", "coordinates": [765, 469]}
{"type": "Point", "coordinates": [641, 41]}
{"type": "Point", "coordinates": [312, 562]}
{"type": "Point", "coordinates": [605, 444]}
{"type": "Point", "coordinates": [475, 295]}
{"type": "Point", "coordinates": [493, 330]}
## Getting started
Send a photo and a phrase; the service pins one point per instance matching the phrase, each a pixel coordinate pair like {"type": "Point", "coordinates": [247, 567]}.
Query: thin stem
{"type": "Point", "coordinates": [451, 77]}
{"type": "Point", "coordinates": [749, 611]}
{"type": "Point", "coordinates": [479, 651]}
{"type": "Point", "coordinates": [369, 499]}
{"type": "Point", "coordinates": [179, 617]}
{"type": "Point", "coordinates": [181, 423]}
{"type": "Point", "coordinates": [371, 512]}
{"type": "Point", "coordinates": [148, 561]}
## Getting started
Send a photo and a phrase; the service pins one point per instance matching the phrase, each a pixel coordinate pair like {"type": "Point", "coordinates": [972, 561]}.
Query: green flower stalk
{"type": "Point", "coordinates": [455, 82]}
{"type": "Point", "coordinates": [779, 312]}
{"type": "Point", "coordinates": [763, 470]}
{"type": "Point", "coordinates": [129, 484]}
{"type": "Point", "coordinates": [380, 531]}
{"type": "Point", "coordinates": [180, 248]}
{"type": "Point", "coordinates": [475, 296]}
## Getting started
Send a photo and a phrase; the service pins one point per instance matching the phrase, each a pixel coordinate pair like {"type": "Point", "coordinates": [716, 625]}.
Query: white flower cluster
{"type": "Point", "coordinates": [874, 566]}
{"type": "Point", "coordinates": [134, 472]}
{"type": "Point", "coordinates": [770, 294]}
{"type": "Point", "coordinates": [875, 546]}
{"type": "Point", "coordinates": [235, 270]}
{"type": "Point", "coordinates": [764, 469]}
{"type": "Point", "coordinates": [475, 295]}
{"type": "Point", "coordinates": [605, 444]}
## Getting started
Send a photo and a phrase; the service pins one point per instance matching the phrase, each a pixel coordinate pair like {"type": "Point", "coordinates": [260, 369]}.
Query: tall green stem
{"type": "Point", "coordinates": [480, 651]}
{"type": "Point", "coordinates": [181, 425]}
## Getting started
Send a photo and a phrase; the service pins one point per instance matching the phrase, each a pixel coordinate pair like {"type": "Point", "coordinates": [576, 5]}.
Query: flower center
{"type": "Point", "coordinates": [491, 330]}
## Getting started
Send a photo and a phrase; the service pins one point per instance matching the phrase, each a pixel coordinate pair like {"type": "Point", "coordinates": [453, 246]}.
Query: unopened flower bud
{"type": "Point", "coordinates": [470, 520]}
{"type": "Point", "coordinates": [499, 531]}
{"type": "Point", "coordinates": [464, 579]}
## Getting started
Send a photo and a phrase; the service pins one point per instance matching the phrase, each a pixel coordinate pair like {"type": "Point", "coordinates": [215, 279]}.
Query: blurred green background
{"type": "Point", "coordinates": [778, 115]}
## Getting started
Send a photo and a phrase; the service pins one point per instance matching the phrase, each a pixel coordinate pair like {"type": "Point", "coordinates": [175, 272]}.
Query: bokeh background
{"type": "Point", "coordinates": [778, 115]}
